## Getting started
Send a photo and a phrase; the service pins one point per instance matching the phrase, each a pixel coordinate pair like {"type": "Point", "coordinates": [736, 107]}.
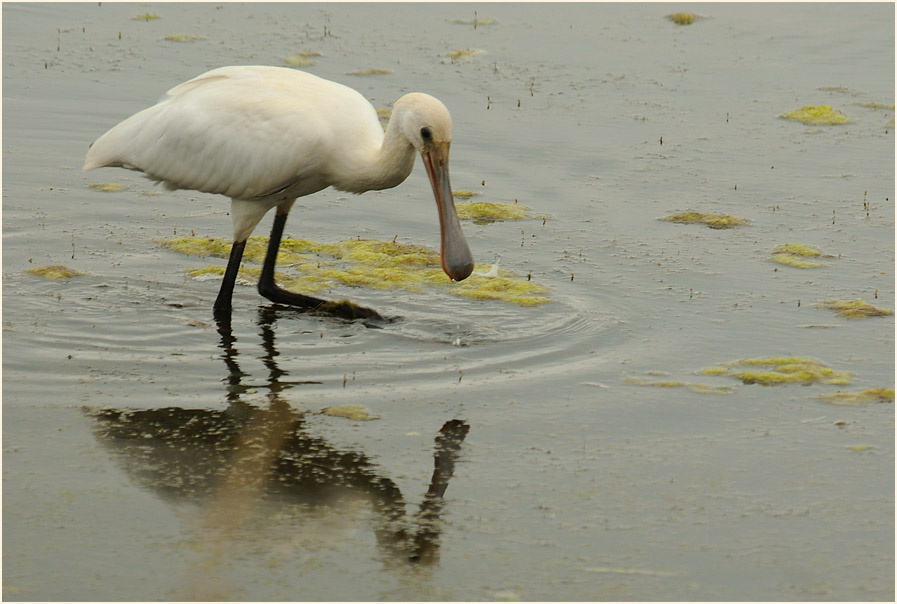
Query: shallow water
{"type": "Point", "coordinates": [149, 454]}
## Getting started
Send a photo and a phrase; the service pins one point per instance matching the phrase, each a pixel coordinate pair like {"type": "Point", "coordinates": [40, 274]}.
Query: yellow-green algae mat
{"type": "Point", "coordinates": [464, 54]}
{"type": "Point", "coordinates": [484, 212]}
{"type": "Point", "coordinates": [855, 309]}
{"type": "Point", "coordinates": [817, 115]}
{"type": "Point", "coordinates": [711, 219]}
{"type": "Point", "coordinates": [699, 388]}
{"type": "Point", "coordinates": [797, 255]}
{"type": "Point", "coordinates": [55, 271]}
{"type": "Point", "coordinates": [683, 18]}
{"type": "Point", "coordinates": [770, 371]}
{"type": "Point", "coordinates": [301, 58]}
{"type": "Point", "coordinates": [370, 72]}
{"type": "Point", "coordinates": [476, 21]}
{"type": "Point", "coordinates": [107, 187]}
{"type": "Point", "coordinates": [370, 263]}
{"type": "Point", "coordinates": [354, 412]}
{"type": "Point", "coordinates": [767, 371]}
{"type": "Point", "coordinates": [183, 38]}
{"type": "Point", "coordinates": [859, 399]}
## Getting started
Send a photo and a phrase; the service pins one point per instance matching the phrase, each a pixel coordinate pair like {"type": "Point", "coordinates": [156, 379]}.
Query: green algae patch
{"type": "Point", "coordinates": [353, 412]}
{"type": "Point", "coordinates": [817, 115]}
{"type": "Point", "coordinates": [211, 270]}
{"type": "Point", "coordinates": [682, 18]}
{"type": "Point", "coordinates": [55, 271]}
{"type": "Point", "coordinates": [860, 448]}
{"type": "Point", "coordinates": [797, 255]}
{"type": "Point", "coordinates": [798, 249]}
{"type": "Point", "coordinates": [484, 212]}
{"type": "Point", "coordinates": [707, 389]}
{"type": "Point", "coordinates": [369, 72]}
{"type": "Point", "coordinates": [301, 59]}
{"type": "Point", "coordinates": [776, 361]}
{"type": "Point", "coordinates": [771, 371]}
{"type": "Point", "coordinates": [697, 388]}
{"type": "Point", "coordinates": [714, 371]}
{"type": "Point", "coordinates": [145, 17]}
{"type": "Point", "coordinates": [769, 378]}
{"type": "Point", "coordinates": [643, 381]}
{"type": "Point", "coordinates": [877, 106]}
{"type": "Point", "coordinates": [711, 219]}
{"type": "Point", "coordinates": [107, 187]}
{"type": "Point", "coordinates": [198, 246]}
{"type": "Point", "coordinates": [464, 54]}
{"type": "Point", "coordinates": [859, 399]}
{"type": "Point", "coordinates": [476, 21]}
{"type": "Point", "coordinates": [767, 371]}
{"type": "Point", "coordinates": [796, 261]}
{"type": "Point", "coordinates": [183, 38]}
{"type": "Point", "coordinates": [506, 287]}
{"type": "Point", "coordinates": [855, 309]}
{"type": "Point", "coordinates": [464, 194]}
{"type": "Point", "coordinates": [246, 275]}
{"type": "Point", "coordinates": [389, 254]}
{"type": "Point", "coordinates": [308, 266]}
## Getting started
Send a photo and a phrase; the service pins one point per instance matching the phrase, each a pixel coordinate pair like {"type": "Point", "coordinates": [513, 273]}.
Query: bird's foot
{"type": "Point", "coordinates": [346, 309]}
{"type": "Point", "coordinates": [343, 309]}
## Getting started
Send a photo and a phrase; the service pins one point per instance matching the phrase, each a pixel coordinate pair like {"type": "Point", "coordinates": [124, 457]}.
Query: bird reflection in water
{"type": "Point", "coordinates": [240, 463]}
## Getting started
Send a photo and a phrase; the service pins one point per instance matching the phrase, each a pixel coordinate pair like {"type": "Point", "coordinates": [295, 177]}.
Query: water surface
{"type": "Point", "coordinates": [150, 454]}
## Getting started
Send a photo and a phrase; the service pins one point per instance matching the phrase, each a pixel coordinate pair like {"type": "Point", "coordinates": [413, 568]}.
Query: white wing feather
{"type": "Point", "coordinates": [244, 132]}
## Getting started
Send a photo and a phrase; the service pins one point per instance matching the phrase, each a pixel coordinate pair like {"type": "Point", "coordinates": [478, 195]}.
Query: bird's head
{"type": "Point", "coordinates": [427, 125]}
{"type": "Point", "coordinates": [424, 120]}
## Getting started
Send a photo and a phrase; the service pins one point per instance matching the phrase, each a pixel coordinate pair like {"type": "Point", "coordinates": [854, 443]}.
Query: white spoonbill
{"type": "Point", "coordinates": [265, 136]}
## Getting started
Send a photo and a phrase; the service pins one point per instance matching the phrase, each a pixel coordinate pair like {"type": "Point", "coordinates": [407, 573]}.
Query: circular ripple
{"type": "Point", "coordinates": [163, 333]}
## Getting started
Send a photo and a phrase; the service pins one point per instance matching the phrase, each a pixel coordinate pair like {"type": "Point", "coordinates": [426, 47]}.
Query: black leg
{"type": "Point", "coordinates": [222, 302]}
{"type": "Point", "coordinates": [269, 289]}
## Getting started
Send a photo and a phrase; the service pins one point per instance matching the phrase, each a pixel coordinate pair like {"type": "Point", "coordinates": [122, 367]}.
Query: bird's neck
{"type": "Point", "coordinates": [381, 167]}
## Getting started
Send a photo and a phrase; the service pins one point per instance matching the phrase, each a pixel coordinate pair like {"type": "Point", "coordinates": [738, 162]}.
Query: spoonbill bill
{"type": "Point", "coordinates": [265, 136]}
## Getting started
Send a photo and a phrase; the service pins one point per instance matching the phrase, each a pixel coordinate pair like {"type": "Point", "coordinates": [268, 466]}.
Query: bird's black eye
{"type": "Point", "coordinates": [425, 133]}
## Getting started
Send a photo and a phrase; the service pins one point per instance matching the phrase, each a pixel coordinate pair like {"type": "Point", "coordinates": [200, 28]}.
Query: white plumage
{"type": "Point", "coordinates": [264, 136]}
